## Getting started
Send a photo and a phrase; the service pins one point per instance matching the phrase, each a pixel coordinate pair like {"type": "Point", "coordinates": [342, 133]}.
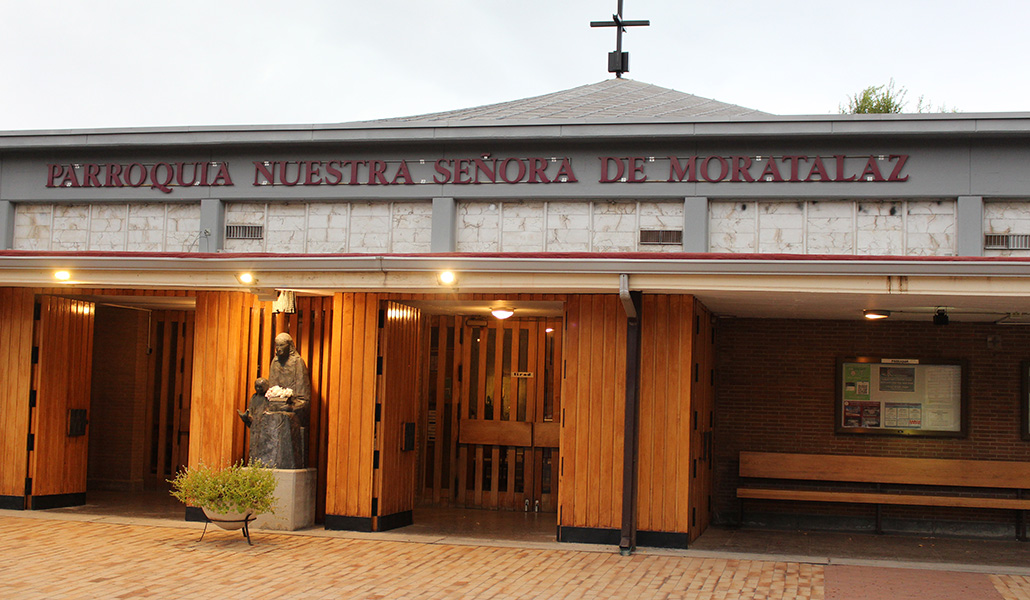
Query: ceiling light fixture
{"type": "Point", "coordinates": [62, 275]}
{"type": "Point", "coordinates": [246, 278]}
{"type": "Point", "coordinates": [447, 277]}
{"type": "Point", "coordinates": [502, 312]}
{"type": "Point", "coordinates": [940, 317]}
{"type": "Point", "coordinates": [873, 315]}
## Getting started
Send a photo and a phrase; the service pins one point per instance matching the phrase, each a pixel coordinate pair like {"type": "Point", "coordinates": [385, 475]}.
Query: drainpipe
{"type": "Point", "coordinates": [631, 302]}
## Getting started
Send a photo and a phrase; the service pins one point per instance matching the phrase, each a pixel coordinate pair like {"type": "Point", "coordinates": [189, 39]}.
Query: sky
{"type": "Point", "coordinates": [149, 63]}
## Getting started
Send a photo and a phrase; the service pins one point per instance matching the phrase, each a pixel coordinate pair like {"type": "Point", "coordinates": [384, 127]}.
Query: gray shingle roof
{"type": "Point", "coordinates": [609, 100]}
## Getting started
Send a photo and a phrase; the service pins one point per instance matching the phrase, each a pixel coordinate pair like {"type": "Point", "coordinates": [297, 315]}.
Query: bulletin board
{"type": "Point", "coordinates": [901, 396]}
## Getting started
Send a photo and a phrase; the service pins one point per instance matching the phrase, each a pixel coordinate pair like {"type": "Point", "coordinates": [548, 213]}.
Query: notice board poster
{"type": "Point", "coordinates": [901, 396]}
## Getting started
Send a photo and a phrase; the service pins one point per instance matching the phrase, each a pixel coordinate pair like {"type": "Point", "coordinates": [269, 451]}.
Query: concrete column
{"type": "Point", "coordinates": [212, 225]}
{"type": "Point", "coordinates": [6, 224]}
{"type": "Point", "coordinates": [445, 224]}
{"type": "Point", "coordinates": [695, 224]}
{"type": "Point", "coordinates": [970, 226]}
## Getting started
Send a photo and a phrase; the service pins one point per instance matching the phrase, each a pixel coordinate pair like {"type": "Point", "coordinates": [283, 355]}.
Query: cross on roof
{"type": "Point", "coordinates": [618, 61]}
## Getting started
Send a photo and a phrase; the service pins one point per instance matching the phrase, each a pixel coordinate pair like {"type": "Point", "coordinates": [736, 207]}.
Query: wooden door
{"type": "Point", "coordinates": [61, 377]}
{"type": "Point", "coordinates": [703, 422]}
{"type": "Point", "coordinates": [491, 419]}
{"type": "Point", "coordinates": [397, 395]}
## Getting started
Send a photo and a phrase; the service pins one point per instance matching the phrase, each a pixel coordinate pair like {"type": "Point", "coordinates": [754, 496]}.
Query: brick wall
{"type": "Point", "coordinates": [117, 408]}
{"type": "Point", "coordinates": [775, 393]}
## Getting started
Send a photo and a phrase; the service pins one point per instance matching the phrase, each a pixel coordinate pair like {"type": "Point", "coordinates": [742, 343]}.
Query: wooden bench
{"type": "Point", "coordinates": [875, 480]}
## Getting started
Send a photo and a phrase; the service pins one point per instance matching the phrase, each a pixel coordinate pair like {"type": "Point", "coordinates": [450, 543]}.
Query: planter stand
{"type": "Point", "coordinates": [229, 522]}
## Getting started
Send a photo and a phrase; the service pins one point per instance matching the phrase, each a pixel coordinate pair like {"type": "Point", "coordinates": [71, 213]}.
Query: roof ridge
{"type": "Point", "coordinates": [608, 99]}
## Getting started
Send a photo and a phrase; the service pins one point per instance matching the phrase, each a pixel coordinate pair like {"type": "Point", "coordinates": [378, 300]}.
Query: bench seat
{"type": "Point", "coordinates": [948, 482]}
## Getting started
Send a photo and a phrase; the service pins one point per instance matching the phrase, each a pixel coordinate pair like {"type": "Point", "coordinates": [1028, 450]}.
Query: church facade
{"type": "Point", "coordinates": [686, 279]}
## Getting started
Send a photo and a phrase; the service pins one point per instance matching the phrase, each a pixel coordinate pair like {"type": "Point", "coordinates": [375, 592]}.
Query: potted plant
{"type": "Point", "coordinates": [230, 497]}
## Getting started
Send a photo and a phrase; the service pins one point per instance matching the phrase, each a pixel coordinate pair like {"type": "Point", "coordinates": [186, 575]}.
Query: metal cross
{"type": "Point", "coordinates": [618, 61]}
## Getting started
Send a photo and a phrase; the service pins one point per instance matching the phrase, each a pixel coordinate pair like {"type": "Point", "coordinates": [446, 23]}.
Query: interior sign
{"type": "Point", "coordinates": [522, 374]}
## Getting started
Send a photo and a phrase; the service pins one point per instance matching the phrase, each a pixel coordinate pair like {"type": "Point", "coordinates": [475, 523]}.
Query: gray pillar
{"type": "Point", "coordinates": [212, 225]}
{"type": "Point", "coordinates": [695, 224]}
{"type": "Point", "coordinates": [445, 223]}
{"type": "Point", "coordinates": [6, 224]}
{"type": "Point", "coordinates": [970, 226]}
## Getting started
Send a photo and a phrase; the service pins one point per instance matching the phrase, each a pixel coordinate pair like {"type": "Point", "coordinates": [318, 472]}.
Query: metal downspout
{"type": "Point", "coordinates": [631, 302]}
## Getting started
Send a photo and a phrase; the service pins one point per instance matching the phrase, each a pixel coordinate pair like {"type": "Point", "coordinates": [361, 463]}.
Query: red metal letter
{"type": "Point", "coordinates": [619, 171]}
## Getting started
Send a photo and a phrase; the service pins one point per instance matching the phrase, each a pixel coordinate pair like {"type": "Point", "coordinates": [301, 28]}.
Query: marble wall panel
{"type": "Point", "coordinates": [522, 226]}
{"type": "Point", "coordinates": [146, 228]}
{"type": "Point", "coordinates": [286, 227]}
{"type": "Point", "coordinates": [731, 226]}
{"type": "Point", "coordinates": [932, 228]}
{"type": "Point", "coordinates": [183, 227]}
{"type": "Point", "coordinates": [70, 228]}
{"type": "Point", "coordinates": [568, 226]}
{"type": "Point", "coordinates": [370, 227]}
{"type": "Point", "coordinates": [781, 227]}
{"type": "Point", "coordinates": [1007, 216]}
{"type": "Point", "coordinates": [614, 227]}
{"type": "Point", "coordinates": [830, 227]}
{"type": "Point", "coordinates": [32, 226]}
{"type": "Point", "coordinates": [328, 227]}
{"type": "Point", "coordinates": [880, 227]}
{"type": "Point", "coordinates": [107, 227]}
{"type": "Point", "coordinates": [412, 226]}
{"type": "Point", "coordinates": [479, 227]}
{"type": "Point", "coordinates": [661, 215]}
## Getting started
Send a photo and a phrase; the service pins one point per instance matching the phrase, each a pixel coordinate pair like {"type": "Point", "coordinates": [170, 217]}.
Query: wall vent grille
{"type": "Point", "coordinates": [244, 232]}
{"type": "Point", "coordinates": [1007, 241]}
{"type": "Point", "coordinates": [661, 237]}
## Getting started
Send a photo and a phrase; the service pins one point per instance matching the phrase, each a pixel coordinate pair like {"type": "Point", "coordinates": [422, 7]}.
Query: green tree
{"type": "Point", "coordinates": [885, 99]}
{"type": "Point", "coordinates": [876, 99]}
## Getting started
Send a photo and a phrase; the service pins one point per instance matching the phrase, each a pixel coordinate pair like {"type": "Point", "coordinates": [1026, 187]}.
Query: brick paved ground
{"type": "Point", "coordinates": [75, 559]}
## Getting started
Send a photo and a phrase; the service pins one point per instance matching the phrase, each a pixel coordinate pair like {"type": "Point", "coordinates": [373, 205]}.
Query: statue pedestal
{"type": "Point", "coordinates": [294, 501]}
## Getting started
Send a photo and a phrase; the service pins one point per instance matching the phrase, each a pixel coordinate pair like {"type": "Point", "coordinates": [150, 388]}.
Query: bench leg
{"type": "Point", "coordinates": [879, 518]}
{"type": "Point", "coordinates": [1021, 525]}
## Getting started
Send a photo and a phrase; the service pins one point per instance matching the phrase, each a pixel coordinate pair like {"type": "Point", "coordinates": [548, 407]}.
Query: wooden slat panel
{"type": "Point", "coordinates": [668, 445]}
{"type": "Point", "coordinates": [359, 492]}
{"type": "Point", "coordinates": [594, 326]}
{"type": "Point", "coordinates": [886, 469]}
{"type": "Point", "coordinates": [646, 436]}
{"type": "Point", "coordinates": [546, 435]}
{"type": "Point", "coordinates": [16, 307]}
{"type": "Point", "coordinates": [351, 405]}
{"type": "Point", "coordinates": [219, 381]}
{"type": "Point", "coordinates": [338, 413]}
{"type": "Point", "coordinates": [884, 498]}
{"type": "Point", "coordinates": [499, 433]}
